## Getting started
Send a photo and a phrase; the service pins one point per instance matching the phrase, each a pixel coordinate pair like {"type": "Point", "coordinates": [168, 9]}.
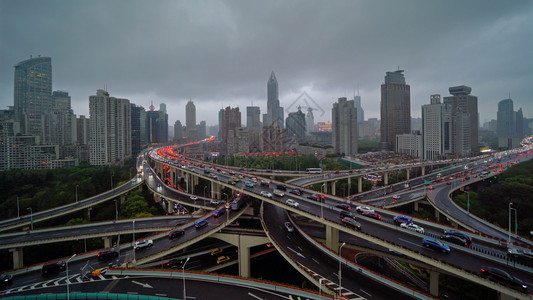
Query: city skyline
{"type": "Point", "coordinates": [227, 64]}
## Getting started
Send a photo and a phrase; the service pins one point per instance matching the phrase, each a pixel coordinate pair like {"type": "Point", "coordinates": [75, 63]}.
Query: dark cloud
{"type": "Point", "coordinates": [221, 52]}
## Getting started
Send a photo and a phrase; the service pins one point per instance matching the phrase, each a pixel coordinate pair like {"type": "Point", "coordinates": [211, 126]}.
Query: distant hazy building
{"type": "Point", "coordinates": [231, 119]}
{"type": "Point", "coordinates": [395, 109]}
{"type": "Point", "coordinates": [310, 120]}
{"type": "Point", "coordinates": [360, 111]}
{"type": "Point", "coordinates": [344, 127]}
{"type": "Point", "coordinates": [273, 139]}
{"type": "Point", "coordinates": [274, 113]}
{"type": "Point", "coordinates": [238, 141]}
{"type": "Point", "coordinates": [369, 129]}
{"type": "Point", "coordinates": [138, 129]}
{"type": "Point", "coordinates": [465, 120]}
{"type": "Point", "coordinates": [202, 130]}
{"type": "Point", "coordinates": [295, 124]}
{"type": "Point", "coordinates": [190, 121]}
{"type": "Point", "coordinates": [156, 126]}
{"type": "Point", "coordinates": [82, 130]}
{"type": "Point", "coordinates": [436, 129]}
{"type": "Point", "coordinates": [253, 118]}
{"type": "Point", "coordinates": [110, 126]}
{"type": "Point", "coordinates": [178, 131]}
{"type": "Point", "coordinates": [509, 125]}
{"type": "Point", "coordinates": [33, 95]}
{"type": "Point", "coordinates": [409, 143]}
{"type": "Point", "coordinates": [163, 107]}
{"type": "Point", "coordinates": [62, 122]}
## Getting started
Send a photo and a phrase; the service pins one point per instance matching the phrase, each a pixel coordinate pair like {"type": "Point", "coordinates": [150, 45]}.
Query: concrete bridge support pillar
{"type": "Point", "coordinates": [349, 185]}
{"type": "Point", "coordinates": [170, 208]}
{"type": "Point", "coordinates": [325, 187]}
{"type": "Point", "coordinates": [216, 190]}
{"type": "Point", "coordinates": [437, 215]}
{"type": "Point", "coordinates": [107, 241]}
{"type": "Point", "coordinates": [332, 238]}
{"type": "Point", "coordinates": [18, 257]}
{"type": "Point", "coordinates": [244, 258]}
{"type": "Point", "coordinates": [359, 184]}
{"type": "Point", "coordinates": [333, 189]}
{"type": "Point", "coordinates": [434, 283]}
{"type": "Point", "coordinates": [408, 171]}
{"type": "Point", "coordinates": [423, 171]}
{"type": "Point", "coordinates": [187, 182]}
{"type": "Point", "coordinates": [386, 178]}
{"type": "Point", "coordinates": [416, 206]}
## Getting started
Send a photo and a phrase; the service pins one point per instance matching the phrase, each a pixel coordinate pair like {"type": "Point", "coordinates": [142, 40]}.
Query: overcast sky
{"type": "Point", "coordinates": [221, 53]}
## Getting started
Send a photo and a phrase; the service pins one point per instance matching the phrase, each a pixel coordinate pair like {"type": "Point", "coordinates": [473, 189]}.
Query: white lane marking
{"type": "Point", "coordinates": [315, 261]}
{"type": "Point", "coordinates": [365, 292]}
{"type": "Point", "coordinates": [256, 297]}
{"type": "Point", "coordinates": [418, 245]}
{"type": "Point", "coordinates": [297, 253]}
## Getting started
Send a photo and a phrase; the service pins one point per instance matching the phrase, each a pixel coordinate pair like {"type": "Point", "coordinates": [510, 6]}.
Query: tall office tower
{"type": "Point", "coordinates": [202, 130]}
{"type": "Point", "coordinates": [253, 118]}
{"type": "Point", "coordinates": [395, 109]}
{"type": "Point", "coordinates": [295, 124]}
{"type": "Point", "coordinates": [231, 119]}
{"type": "Point", "coordinates": [110, 127]}
{"type": "Point", "coordinates": [360, 111]}
{"type": "Point", "coordinates": [62, 121]}
{"type": "Point", "coordinates": [82, 130]}
{"type": "Point", "coordinates": [310, 120]}
{"type": "Point", "coordinates": [220, 114]}
{"type": "Point", "coordinates": [156, 126]}
{"type": "Point", "coordinates": [163, 107]}
{"type": "Point", "coordinates": [509, 125]}
{"type": "Point", "coordinates": [436, 129]}
{"type": "Point", "coordinates": [190, 121]}
{"type": "Point", "coordinates": [463, 107]}
{"type": "Point", "coordinates": [33, 95]}
{"type": "Point", "coordinates": [178, 131]}
{"type": "Point", "coordinates": [138, 129]}
{"type": "Point", "coordinates": [274, 111]}
{"type": "Point", "coordinates": [344, 127]}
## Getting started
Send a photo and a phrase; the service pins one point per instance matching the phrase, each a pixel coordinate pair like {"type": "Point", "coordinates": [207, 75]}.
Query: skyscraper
{"type": "Point", "coordinates": [190, 121]}
{"type": "Point", "coordinates": [509, 125]}
{"type": "Point", "coordinates": [33, 94]}
{"type": "Point", "coordinates": [310, 120]}
{"type": "Point", "coordinates": [465, 120]}
{"type": "Point", "coordinates": [253, 118]}
{"type": "Point", "coordinates": [360, 111]}
{"type": "Point", "coordinates": [156, 126]}
{"type": "Point", "coordinates": [344, 127]}
{"type": "Point", "coordinates": [231, 119]}
{"type": "Point", "coordinates": [202, 130]}
{"type": "Point", "coordinates": [295, 124]}
{"type": "Point", "coordinates": [178, 130]}
{"type": "Point", "coordinates": [395, 109]}
{"type": "Point", "coordinates": [62, 121]}
{"type": "Point", "coordinates": [436, 129]}
{"type": "Point", "coordinates": [110, 129]}
{"type": "Point", "coordinates": [138, 128]}
{"type": "Point", "coordinates": [274, 113]}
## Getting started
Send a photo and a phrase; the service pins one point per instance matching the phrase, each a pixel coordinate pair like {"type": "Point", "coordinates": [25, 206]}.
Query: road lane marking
{"type": "Point", "coordinates": [418, 245]}
{"type": "Point", "coordinates": [365, 292]}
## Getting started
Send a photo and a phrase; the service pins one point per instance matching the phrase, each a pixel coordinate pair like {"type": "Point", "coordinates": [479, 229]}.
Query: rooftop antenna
{"type": "Point", "coordinates": [358, 89]}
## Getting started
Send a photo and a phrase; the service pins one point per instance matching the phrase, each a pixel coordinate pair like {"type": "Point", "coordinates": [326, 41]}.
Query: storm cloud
{"type": "Point", "coordinates": [221, 53]}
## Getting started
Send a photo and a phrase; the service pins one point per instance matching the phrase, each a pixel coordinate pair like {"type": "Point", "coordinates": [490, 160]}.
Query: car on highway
{"type": "Point", "coordinates": [175, 233]}
{"type": "Point", "coordinates": [372, 214]}
{"type": "Point", "coordinates": [292, 203]}
{"type": "Point", "coordinates": [174, 263]}
{"type": "Point", "coordinates": [454, 239]}
{"type": "Point", "coordinates": [343, 206]}
{"type": "Point", "coordinates": [360, 209]}
{"type": "Point", "coordinates": [402, 219]}
{"type": "Point", "coordinates": [289, 227]}
{"type": "Point", "coordinates": [412, 226]}
{"type": "Point", "coordinates": [232, 182]}
{"type": "Point", "coordinates": [143, 244]}
{"type": "Point", "coordinates": [235, 179]}
{"type": "Point", "coordinates": [503, 277]}
{"type": "Point", "coordinates": [249, 184]}
{"type": "Point", "coordinates": [460, 234]}
{"type": "Point", "coordinates": [347, 214]}
{"type": "Point", "coordinates": [5, 280]}
{"type": "Point", "coordinates": [520, 253]}
{"type": "Point", "coordinates": [53, 267]}
{"type": "Point", "coordinates": [265, 182]}
{"type": "Point", "coordinates": [216, 251]}
{"type": "Point", "coordinates": [281, 187]}
{"type": "Point", "coordinates": [297, 192]}
{"type": "Point", "coordinates": [107, 253]}
{"type": "Point", "coordinates": [193, 198]}
{"type": "Point", "coordinates": [218, 213]}
{"type": "Point", "coordinates": [278, 193]}
{"type": "Point", "coordinates": [200, 223]}
{"type": "Point", "coordinates": [222, 259]}
{"type": "Point", "coordinates": [349, 222]}
{"type": "Point", "coordinates": [214, 202]}
{"type": "Point", "coordinates": [266, 194]}
{"type": "Point", "coordinates": [435, 245]}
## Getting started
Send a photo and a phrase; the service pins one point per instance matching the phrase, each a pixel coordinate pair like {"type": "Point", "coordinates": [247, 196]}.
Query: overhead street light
{"type": "Point", "coordinates": [68, 291]}
{"type": "Point", "coordinates": [183, 276]}
{"type": "Point", "coordinates": [340, 264]}
{"type": "Point", "coordinates": [31, 218]}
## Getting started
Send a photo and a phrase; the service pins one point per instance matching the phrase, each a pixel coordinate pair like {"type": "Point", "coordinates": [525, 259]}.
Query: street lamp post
{"type": "Point", "coordinates": [340, 270]}
{"type": "Point", "coordinates": [68, 291]}
{"type": "Point", "coordinates": [515, 220]}
{"type": "Point", "coordinates": [76, 193]}
{"type": "Point", "coordinates": [320, 287]}
{"type": "Point", "coordinates": [31, 218]}
{"type": "Point", "coordinates": [205, 187]}
{"type": "Point", "coordinates": [116, 210]}
{"type": "Point", "coordinates": [18, 208]}
{"type": "Point", "coordinates": [133, 241]}
{"type": "Point", "coordinates": [321, 206]}
{"type": "Point", "coordinates": [112, 181]}
{"type": "Point", "coordinates": [183, 276]}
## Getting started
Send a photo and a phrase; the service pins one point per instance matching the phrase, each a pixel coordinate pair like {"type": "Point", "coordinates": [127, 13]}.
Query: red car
{"type": "Point", "coordinates": [372, 214]}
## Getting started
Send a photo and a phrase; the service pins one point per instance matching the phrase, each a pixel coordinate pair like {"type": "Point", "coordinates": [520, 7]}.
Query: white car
{"type": "Point", "coordinates": [215, 202]}
{"type": "Point", "coordinates": [143, 244]}
{"type": "Point", "coordinates": [292, 203]}
{"type": "Point", "coordinates": [193, 198]}
{"type": "Point", "coordinates": [266, 194]}
{"type": "Point", "coordinates": [412, 226]}
{"type": "Point", "coordinates": [362, 209]}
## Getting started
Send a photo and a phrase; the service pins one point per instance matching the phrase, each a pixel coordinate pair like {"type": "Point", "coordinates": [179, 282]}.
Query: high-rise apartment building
{"type": "Point", "coordinates": [33, 95]}
{"type": "Point", "coordinates": [509, 128]}
{"type": "Point", "coordinates": [436, 129]}
{"type": "Point", "coordinates": [253, 118]}
{"type": "Point", "coordinates": [360, 111]}
{"type": "Point", "coordinates": [190, 121]}
{"type": "Point", "coordinates": [344, 127]}
{"type": "Point", "coordinates": [110, 129]}
{"type": "Point", "coordinates": [274, 113]}
{"type": "Point", "coordinates": [178, 131]}
{"type": "Point", "coordinates": [138, 129]}
{"type": "Point", "coordinates": [465, 120]}
{"type": "Point", "coordinates": [82, 130]}
{"type": "Point", "coordinates": [296, 126]}
{"type": "Point", "coordinates": [61, 122]}
{"type": "Point", "coordinates": [202, 130]}
{"type": "Point", "coordinates": [231, 119]}
{"type": "Point", "coordinates": [395, 109]}
{"type": "Point", "coordinates": [310, 120]}
{"type": "Point", "coordinates": [156, 126]}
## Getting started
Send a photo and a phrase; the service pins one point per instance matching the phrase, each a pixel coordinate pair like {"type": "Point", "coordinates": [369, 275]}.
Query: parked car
{"type": "Point", "coordinates": [372, 214]}
{"type": "Point", "coordinates": [361, 209]}
{"type": "Point", "coordinates": [412, 226]}
{"type": "Point", "coordinates": [53, 267]}
{"type": "Point", "coordinates": [503, 277]}
{"type": "Point", "coordinates": [292, 203]}
{"type": "Point", "coordinates": [222, 259]}
{"type": "Point", "coordinates": [289, 227]}
{"type": "Point", "coordinates": [175, 233]}
{"type": "Point", "coordinates": [200, 223]}
{"type": "Point", "coordinates": [143, 244]}
{"type": "Point", "coordinates": [435, 244]}
{"type": "Point", "coordinates": [107, 253]}
{"type": "Point", "coordinates": [519, 253]}
{"type": "Point", "coordinates": [460, 234]}
{"type": "Point", "coordinates": [349, 222]}
{"type": "Point", "coordinates": [218, 213]}
{"type": "Point", "coordinates": [402, 219]}
{"type": "Point", "coordinates": [343, 206]}
{"type": "Point", "coordinates": [266, 194]}
{"type": "Point", "coordinates": [454, 239]}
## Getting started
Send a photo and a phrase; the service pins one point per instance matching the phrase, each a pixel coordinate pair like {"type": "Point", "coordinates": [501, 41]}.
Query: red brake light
{"type": "Point", "coordinates": [482, 270]}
